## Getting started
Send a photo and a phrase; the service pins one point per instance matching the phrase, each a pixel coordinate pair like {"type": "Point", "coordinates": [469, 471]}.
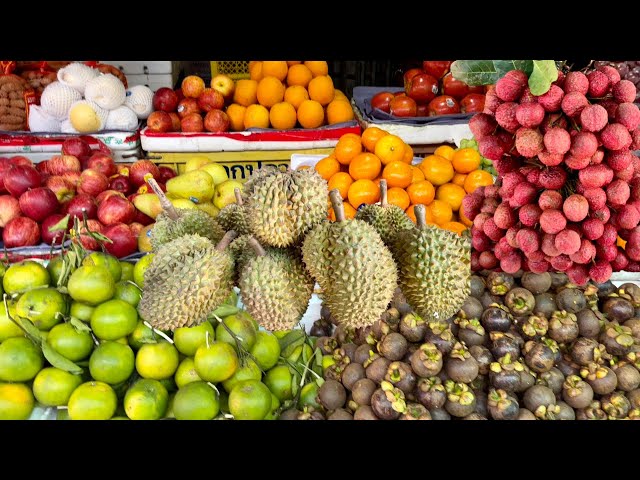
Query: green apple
{"type": "Point", "coordinates": [217, 172]}
{"type": "Point", "coordinates": [195, 162]}
{"type": "Point", "coordinates": [224, 194]}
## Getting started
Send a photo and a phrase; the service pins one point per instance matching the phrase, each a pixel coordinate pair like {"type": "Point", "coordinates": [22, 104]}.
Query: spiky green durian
{"type": "Point", "coordinates": [233, 216]}
{"type": "Point", "coordinates": [188, 222]}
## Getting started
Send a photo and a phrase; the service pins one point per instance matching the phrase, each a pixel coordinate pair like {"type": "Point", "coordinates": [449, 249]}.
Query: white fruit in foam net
{"type": "Point", "coordinates": [77, 75]}
{"type": "Point", "coordinates": [140, 100]}
{"type": "Point", "coordinates": [41, 121]}
{"type": "Point", "coordinates": [107, 91]}
{"type": "Point", "coordinates": [122, 118]}
{"type": "Point", "coordinates": [57, 98]}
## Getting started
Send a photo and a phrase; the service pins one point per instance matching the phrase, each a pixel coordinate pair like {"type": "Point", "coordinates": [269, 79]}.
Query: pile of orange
{"type": "Point", "coordinates": [285, 95]}
{"type": "Point", "coordinates": [439, 182]}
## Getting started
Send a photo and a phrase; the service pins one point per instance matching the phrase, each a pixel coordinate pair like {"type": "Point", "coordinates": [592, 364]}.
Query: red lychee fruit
{"type": "Point", "coordinates": [503, 249]}
{"type": "Point", "coordinates": [592, 228]}
{"type": "Point", "coordinates": [490, 147]}
{"type": "Point", "coordinates": [549, 246]}
{"type": "Point", "coordinates": [535, 256]}
{"type": "Point", "coordinates": [576, 82]}
{"type": "Point", "coordinates": [511, 264]}
{"type": "Point", "coordinates": [471, 205]}
{"type": "Point", "coordinates": [615, 136]}
{"type": "Point", "coordinates": [529, 142]}
{"type": "Point", "coordinates": [509, 183]}
{"type": "Point", "coordinates": [601, 271]}
{"type": "Point", "coordinates": [551, 120]}
{"type": "Point", "coordinates": [492, 231]}
{"type": "Point", "coordinates": [628, 217]}
{"type": "Point", "coordinates": [505, 165]}
{"type": "Point", "coordinates": [552, 178]}
{"type": "Point", "coordinates": [561, 263]}
{"type": "Point", "coordinates": [557, 141]}
{"type": "Point", "coordinates": [533, 177]}
{"type": "Point", "coordinates": [576, 163]}
{"type": "Point", "coordinates": [504, 216]}
{"type": "Point", "coordinates": [475, 262]}
{"type": "Point", "coordinates": [634, 186]}
{"type": "Point", "coordinates": [618, 193]}
{"type": "Point", "coordinates": [635, 136]}
{"type": "Point", "coordinates": [506, 116]}
{"type": "Point", "coordinates": [633, 267]}
{"type": "Point", "coordinates": [550, 199]}
{"type": "Point", "coordinates": [487, 260]}
{"type": "Point", "coordinates": [539, 267]}
{"type": "Point", "coordinates": [598, 84]}
{"type": "Point", "coordinates": [492, 191]}
{"type": "Point", "coordinates": [529, 214]}
{"type": "Point", "coordinates": [551, 100]}
{"type": "Point", "coordinates": [523, 193]}
{"type": "Point", "coordinates": [480, 241]}
{"type": "Point", "coordinates": [573, 103]}
{"type": "Point", "coordinates": [624, 91]}
{"type": "Point", "coordinates": [578, 274]}
{"type": "Point", "coordinates": [597, 157]}
{"type": "Point", "coordinates": [606, 251]}
{"type": "Point", "coordinates": [491, 101]}
{"type": "Point", "coordinates": [567, 242]}
{"type": "Point", "coordinates": [584, 145]}
{"type": "Point", "coordinates": [550, 159]}
{"type": "Point", "coordinates": [478, 222]}
{"type": "Point", "coordinates": [596, 197]}
{"type": "Point", "coordinates": [595, 176]}
{"type": "Point", "coordinates": [560, 80]}
{"type": "Point", "coordinates": [585, 254]}
{"type": "Point", "coordinates": [489, 206]}
{"type": "Point", "coordinates": [552, 221]}
{"type": "Point", "coordinates": [602, 214]}
{"type": "Point", "coordinates": [527, 97]}
{"type": "Point", "coordinates": [511, 237]}
{"type": "Point", "coordinates": [593, 118]}
{"type": "Point", "coordinates": [619, 159]}
{"type": "Point", "coordinates": [482, 125]}
{"type": "Point", "coordinates": [575, 208]}
{"type": "Point", "coordinates": [628, 115]}
{"type": "Point", "coordinates": [611, 106]}
{"type": "Point", "coordinates": [511, 86]}
{"type": "Point", "coordinates": [529, 115]}
{"type": "Point", "coordinates": [621, 261]}
{"type": "Point", "coordinates": [633, 253]}
{"type": "Point", "coordinates": [507, 140]}
{"type": "Point", "coordinates": [611, 73]}
{"type": "Point", "coordinates": [609, 236]}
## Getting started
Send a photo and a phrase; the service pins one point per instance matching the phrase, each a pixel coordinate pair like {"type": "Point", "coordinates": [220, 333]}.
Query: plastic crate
{"type": "Point", "coordinates": [235, 69]}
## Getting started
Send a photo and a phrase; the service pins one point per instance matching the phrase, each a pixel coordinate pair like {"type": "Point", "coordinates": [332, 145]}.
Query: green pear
{"type": "Point", "coordinates": [225, 193]}
{"type": "Point", "coordinates": [217, 172]}
{"type": "Point", "coordinates": [144, 239]}
{"type": "Point", "coordinates": [183, 203]}
{"type": "Point", "coordinates": [195, 162]}
{"type": "Point", "coordinates": [209, 208]}
{"type": "Point", "coordinates": [149, 204]}
{"type": "Point", "coordinates": [196, 186]}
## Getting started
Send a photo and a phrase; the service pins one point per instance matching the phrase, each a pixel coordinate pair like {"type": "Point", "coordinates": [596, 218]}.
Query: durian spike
{"type": "Point", "coordinates": [166, 205]}
{"type": "Point", "coordinates": [226, 240]}
{"type": "Point", "coordinates": [383, 192]}
{"type": "Point", "coordinates": [421, 215]}
{"type": "Point", "coordinates": [236, 191]}
{"type": "Point", "coordinates": [256, 246]}
{"type": "Point", "coordinates": [336, 203]}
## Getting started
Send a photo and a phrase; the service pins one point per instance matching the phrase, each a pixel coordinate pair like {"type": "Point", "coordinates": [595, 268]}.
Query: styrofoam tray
{"type": "Point", "coordinates": [24, 142]}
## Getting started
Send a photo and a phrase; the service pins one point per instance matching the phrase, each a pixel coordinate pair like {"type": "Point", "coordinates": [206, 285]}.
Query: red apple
{"type": "Point", "coordinates": [436, 68]}
{"type": "Point", "coordinates": [175, 122]}
{"type": "Point", "coordinates": [103, 163]}
{"type": "Point", "coordinates": [108, 193]}
{"type": "Point", "coordinates": [92, 182]}
{"type": "Point", "coordinates": [62, 188]}
{"type": "Point", "coordinates": [136, 228]}
{"type": "Point", "coordinates": [87, 241]}
{"type": "Point", "coordinates": [217, 121]}
{"type": "Point", "coordinates": [159, 122]}
{"type": "Point", "coordinates": [187, 107]}
{"type": "Point", "coordinates": [192, 123]}
{"type": "Point", "coordinates": [72, 177]}
{"type": "Point", "coordinates": [422, 88]}
{"type": "Point", "coordinates": [59, 164]}
{"type": "Point", "coordinates": [18, 179]}
{"type": "Point", "coordinates": [39, 203]}
{"type": "Point", "coordinates": [422, 110]}
{"type": "Point", "coordinates": [140, 169]}
{"type": "Point", "coordinates": [477, 89]}
{"type": "Point", "coordinates": [224, 84]}
{"type": "Point", "coordinates": [21, 232]}
{"type": "Point", "coordinates": [382, 100]}
{"type": "Point", "coordinates": [54, 237]}
{"type": "Point", "coordinates": [210, 99]}
{"type": "Point", "coordinates": [165, 100]}
{"type": "Point", "coordinates": [403, 106]}
{"type": "Point", "coordinates": [9, 209]}
{"type": "Point", "coordinates": [77, 147]}
{"type": "Point", "coordinates": [43, 167]}
{"type": "Point", "coordinates": [409, 74]}
{"type": "Point", "coordinates": [167, 173]}
{"type": "Point", "coordinates": [116, 209]}
{"type": "Point", "coordinates": [142, 219]}
{"type": "Point", "coordinates": [5, 165]}
{"type": "Point", "coordinates": [20, 160]}
{"type": "Point", "coordinates": [123, 169]}
{"type": "Point", "coordinates": [472, 103]}
{"type": "Point", "coordinates": [454, 88]}
{"type": "Point", "coordinates": [123, 241]}
{"type": "Point", "coordinates": [121, 184]}
{"type": "Point", "coordinates": [180, 94]}
{"type": "Point", "coordinates": [443, 105]}
{"type": "Point", "coordinates": [81, 203]}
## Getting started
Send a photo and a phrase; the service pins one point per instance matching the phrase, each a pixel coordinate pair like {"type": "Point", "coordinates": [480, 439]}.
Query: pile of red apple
{"type": "Point", "coordinates": [429, 92]}
{"type": "Point", "coordinates": [35, 197]}
{"type": "Point", "coordinates": [192, 108]}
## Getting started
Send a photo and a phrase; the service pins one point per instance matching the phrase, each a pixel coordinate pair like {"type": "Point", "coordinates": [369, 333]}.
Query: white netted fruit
{"type": "Point", "coordinates": [41, 121]}
{"type": "Point", "coordinates": [122, 118]}
{"type": "Point", "coordinates": [107, 91]}
{"type": "Point", "coordinates": [66, 127]}
{"type": "Point", "coordinates": [57, 98]}
{"type": "Point", "coordinates": [87, 117]}
{"type": "Point", "coordinates": [140, 100]}
{"type": "Point", "coordinates": [77, 75]}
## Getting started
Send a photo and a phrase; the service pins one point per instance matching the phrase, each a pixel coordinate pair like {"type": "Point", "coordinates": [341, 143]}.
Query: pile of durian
{"type": "Point", "coordinates": [276, 243]}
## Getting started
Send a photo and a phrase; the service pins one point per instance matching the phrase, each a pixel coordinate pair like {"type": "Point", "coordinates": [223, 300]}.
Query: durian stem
{"type": "Point", "coordinates": [336, 203]}
{"type": "Point", "coordinates": [236, 191]}
{"type": "Point", "coordinates": [166, 205]}
{"type": "Point", "coordinates": [421, 215]}
{"type": "Point", "coordinates": [257, 247]}
{"type": "Point", "coordinates": [383, 192]}
{"type": "Point", "coordinates": [226, 240]}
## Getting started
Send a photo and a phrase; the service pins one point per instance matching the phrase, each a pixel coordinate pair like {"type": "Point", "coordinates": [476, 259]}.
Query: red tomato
{"type": "Point", "coordinates": [455, 88]}
{"type": "Point", "coordinates": [403, 106]}
{"type": "Point", "coordinates": [472, 103]}
{"type": "Point", "coordinates": [381, 100]}
{"type": "Point", "coordinates": [443, 105]}
{"type": "Point", "coordinates": [422, 88]}
{"type": "Point", "coordinates": [409, 74]}
{"type": "Point", "coordinates": [436, 68]}
{"type": "Point", "coordinates": [422, 111]}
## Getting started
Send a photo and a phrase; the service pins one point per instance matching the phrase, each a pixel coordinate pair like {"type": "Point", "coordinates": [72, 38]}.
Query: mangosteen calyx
{"type": "Point", "coordinates": [535, 326]}
{"type": "Point", "coordinates": [574, 385]}
{"type": "Point", "coordinates": [520, 301]}
{"type": "Point", "coordinates": [416, 411]}
{"type": "Point", "coordinates": [616, 405]}
{"type": "Point", "coordinates": [441, 329]}
{"type": "Point", "coordinates": [634, 414]}
{"type": "Point", "coordinates": [621, 334]}
{"type": "Point", "coordinates": [470, 324]}
{"type": "Point", "coordinates": [593, 372]}
{"type": "Point", "coordinates": [460, 352]}
{"type": "Point", "coordinates": [547, 412]}
{"type": "Point", "coordinates": [595, 412]}
{"type": "Point", "coordinates": [395, 396]}
{"type": "Point", "coordinates": [459, 393]}
{"type": "Point", "coordinates": [500, 399]}
{"type": "Point", "coordinates": [500, 283]}
{"type": "Point", "coordinates": [431, 384]}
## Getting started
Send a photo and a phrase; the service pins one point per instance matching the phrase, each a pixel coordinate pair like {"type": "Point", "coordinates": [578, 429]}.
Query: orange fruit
{"type": "Point", "coordinates": [342, 181]}
{"type": "Point", "coordinates": [411, 214]}
{"type": "Point", "coordinates": [445, 151]}
{"type": "Point", "coordinates": [421, 192]}
{"type": "Point", "coordinates": [440, 211]}
{"type": "Point", "coordinates": [339, 111]}
{"type": "Point", "coordinates": [364, 165]}
{"type": "Point", "coordinates": [282, 116]}
{"type": "Point", "coordinates": [397, 174]}
{"type": "Point", "coordinates": [452, 194]}
{"type": "Point", "coordinates": [340, 94]}
{"type": "Point", "coordinates": [418, 176]}
{"type": "Point", "coordinates": [390, 148]}
{"type": "Point", "coordinates": [275, 69]}
{"type": "Point", "coordinates": [456, 227]}
{"type": "Point", "coordinates": [299, 75]}
{"type": "Point", "coordinates": [370, 137]}
{"type": "Point", "coordinates": [477, 178]}
{"type": "Point", "coordinates": [397, 196]}
{"type": "Point", "coordinates": [236, 116]}
{"type": "Point", "coordinates": [270, 91]}
{"type": "Point", "coordinates": [438, 170]}
{"type": "Point", "coordinates": [246, 92]}
{"type": "Point", "coordinates": [408, 154]}
{"type": "Point", "coordinates": [458, 179]}
{"type": "Point", "coordinates": [349, 212]}
{"type": "Point", "coordinates": [321, 90]}
{"type": "Point", "coordinates": [463, 218]}
{"type": "Point", "coordinates": [295, 95]}
{"type": "Point", "coordinates": [466, 160]}
{"type": "Point", "coordinates": [255, 71]}
{"type": "Point", "coordinates": [347, 149]}
{"type": "Point", "coordinates": [317, 68]}
{"type": "Point", "coordinates": [363, 191]}
{"type": "Point", "coordinates": [310, 114]}
{"type": "Point", "coordinates": [327, 167]}
{"type": "Point", "coordinates": [256, 116]}
{"type": "Point", "coordinates": [303, 167]}
{"type": "Point", "coordinates": [292, 63]}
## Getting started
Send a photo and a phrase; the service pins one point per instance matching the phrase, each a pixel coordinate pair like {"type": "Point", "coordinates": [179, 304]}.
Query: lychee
{"type": "Point", "coordinates": [628, 115]}
{"type": "Point", "coordinates": [615, 136]}
{"type": "Point", "coordinates": [575, 208]}
{"type": "Point", "coordinates": [557, 141]}
{"type": "Point", "coordinates": [619, 159]}
{"type": "Point", "coordinates": [601, 271]}
{"type": "Point", "coordinates": [491, 230]}
{"type": "Point", "coordinates": [592, 228]}
{"type": "Point", "coordinates": [606, 251]}
{"type": "Point", "coordinates": [529, 214]}
{"type": "Point", "coordinates": [576, 82]}
{"type": "Point", "coordinates": [523, 193]}
{"type": "Point", "coordinates": [505, 165]}
{"type": "Point", "coordinates": [478, 222]}
{"type": "Point", "coordinates": [489, 205]}
{"type": "Point", "coordinates": [624, 91]}
{"type": "Point", "coordinates": [507, 140]}
{"type": "Point", "coordinates": [529, 115]}
{"type": "Point", "coordinates": [503, 249]}
{"type": "Point", "coordinates": [527, 97]}
{"type": "Point", "coordinates": [633, 253]}
{"type": "Point", "coordinates": [595, 176]}
{"type": "Point", "coordinates": [491, 101]}
{"type": "Point", "coordinates": [511, 86]}
{"type": "Point", "coordinates": [487, 260]}
{"type": "Point", "coordinates": [593, 118]}
{"type": "Point", "coordinates": [560, 80]}
{"type": "Point", "coordinates": [533, 177]}
{"type": "Point", "coordinates": [552, 178]}
{"type": "Point", "coordinates": [509, 182]}
{"type": "Point", "coordinates": [633, 267]}
{"type": "Point", "coordinates": [596, 197]}
{"type": "Point", "coordinates": [492, 191]}
{"type": "Point", "coordinates": [609, 236]}
{"type": "Point", "coordinates": [511, 237]}
{"type": "Point", "coordinates": [511, 264]}
{"type": "Point", "coordinates": [578, 274]}
{"type": "Point", "coordinates": [471, 205]}
{"type": "Point", "coordinates": [584, 145]}
{"type": "Point", "coordinates": [480, 241]}
{"type": "Point", "coordinates": [573, 103]}
{"type": "Point", "coordinates": [611, 106]}
{"type": "Point", "coordinates": [576, 163]}
{"type": "Point", "coordinates": [585, 253]}
{"type": "Point", "coordinates": [550, 159]}
{"type": "Point", "coordinates": [634, 186]}
{"type": "Point", "coordinates": [598, 84]}
{"type": "Point", "coordinates": [628, 217]}
{"type": "Point", "coordinates": [535, 256]}
{"type": "Point", "coordinates": [475, 261]}
{"type": "Point", "coordinates": [551, 100]}
{"type": "Point", "coordinates": [611, 73]}
{"type": "Point", "coordinates": [621, 261]}
{"type": "Point", "coordinates": [597, 157]}
{"type": "Point", "coordinates": [552, 120]}
{"type": "Point", "coordinates": [490, 147]}
{"type": "Point", "coordinates": [506, 116]}
{"type": "Point", "coordinates": [548, 246]}
{"type": "Point", "coordinates": [504, 216]}
{"type": "Point", "coordinates": [552, 221]}
{"type": "Point", "coordinates": [528, 240]}
{"type": "Point", "coordinates": [482, 125]}
{"type": "Point", "coordinates": [635, 136]}
{"type": "Point", "coordinates": [602, 214]}
{"type": "Point", "coordinates": [529, 142]}
{"type": "Point", "coordinates": [561, 263]}
{"type": "Point", "coordinates": [539, 267]}
{"type": "Point", "coordinates": [550, 199]}
{"type": "Point", "coordinates": [567, 241]}
{"type": "Point", "coordinates": [618, 193]}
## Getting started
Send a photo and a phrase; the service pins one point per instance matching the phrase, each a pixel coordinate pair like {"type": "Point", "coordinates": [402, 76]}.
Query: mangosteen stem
{"type": "Point", "coordinates": [257, 247]}
{"type": "Point", "coordinates": [383, 192]}
{"type": "Point", "coordinates": [226, 240]}
{"type": "Point", "coordinates": [236, 191]}
{"type": "Point", "coordinates": [336, 203]}
{"type": "Point", "coordinates": [421, 215]}
{"type": "Point", "coordinates": [166, 205]}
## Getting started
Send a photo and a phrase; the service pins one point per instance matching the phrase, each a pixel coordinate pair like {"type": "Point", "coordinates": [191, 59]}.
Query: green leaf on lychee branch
{"type": "Point", "coordinates": [504, 66]}
{"type": "Point", "coordinates": [475, 72]}
{"type": "Point", "coordinates": [544, 73]}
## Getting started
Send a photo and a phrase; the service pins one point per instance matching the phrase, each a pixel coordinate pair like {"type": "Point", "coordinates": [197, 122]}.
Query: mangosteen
{"type": "Point", "coordinates": [483, 356]}
{"type": "Point", "coordinates": [601, 378]}
{"type": "Point", "coordinates": [502, 406]}
{"type": "Point", "coordinates": [540, 356]}
{"type": "Point", "coordinates": [472, 308]}
{"type": "Point", "coordinates": [505, 374]}
{"type": "Point", "coordinates": [377, 369]}
{"type": "Point", "coordinates": [363, 353]}
{"type": "Point", "coordinates": [558, 279]}
{"type": "Point", "coordinates": [618, 309]}
{"type": "Point", "coordinates": [536, 283]}
{"type": "Point", "coordinates": [482, 402]}
{"type": "Point", "coordinates": [471, 332]}
{"type": "Point", "coordinates": [520, 301]}
{"type": "Point", "coordinates": [362, 391]}
{"type": "Point", "coordinates": [628, 377]}
{"type": "Point", "coordinates": [588, 323]}
{"type": "Point", "coordinates": [565, 412]}
{"type": "Point", "coordinates": [290, 414]}
{"type": "Point", "coordinates": [499, 283]}
{"type": "Point", "coordinates": [332, 395]}
{"type": "Point", "coordinates": [634, 414]}
{"type": "Point", "coordinates": [616, 405]}
{"type": "Point", "coordinates": [399, 302]}
{"type": "Point", "coordinates": [477, 286]}
{"type": "Point", "coordinates": [460, 365]}
{"type": "Point", "coordinates": [552, 379]}
{"type": "Point", "coordinates": [488, 300]}
{"type": "Point", "coordinates": [334, 372]}
{"type": "Point", "coordinates": [480, 383]}
{"type": "Point", "coordinates": [327, 345]}
{"type": "Point", "coordinates": [362, 335]}
{"type": "Point", "coordinates": [475, 416]}
{"type": "Point", "coordinates": [504, 344]}
{"type": "Point", "coordinates": [349, 350]}
{"type": "Point", "coordinates": [413, 327]}
{"type": "Point", "coordinates": [388, 402]}
{"type": "Point", "coordinates": [400, 375]}
{"type": "Point", "coordinates": [593, 412]}
{"type": "Point", "coordinates": [381, 327]}
{"type": "Point", "coordinates": [586, 350]}
{"type": "Point", "coordinates": [430, 392]}
{"type": "Point", "coordinates": [631, 292]}
{"type": "Point", "coordinates": [567, 366]}
{"type": "Point", "coordinates": [344, 334]}
{"type": "Point", "coordinates": [527, 379]}
{"type": "Point", "coordinates": [576, 392]}
{"type": "Point", "coordinates": [440, 334]}
{"type": "Point", "coordinates": [496, 319]}
{"type": "Point", "coordinates": [634, 398]}
{"type": "Point", "coordinates": [538, 396]}
{"type": "Point", "coordinates": [393, 346]}
{"type": "Point", "coordinates": [545, 304]}
{"type": "Point", "coordinates": [534, 327]}
{"type": "Point", "coordinates": [571, 299]}
{"type": "Point", "coordinates": [352, 373]}
{"type": "Point", "coordinates": [321, 328]}
{"type": "Point", "coordinates": [461, 400]}
{"type": "Point", "coordinates": [340, 414]}
{"type": "Point", "coordinates": [605, 289]}
{"type": "Point", "coordinates": [310, 413]}
{"type": "Point", "coordinates": [524, 414]}
{"type": "Point", "coordinates": [427, 360]}
{"type": "Point", "coordinates": [364, 412]}
{"type": "Point", "coordinates": [634, 325]}
{"type": "Point", "coordinates": [617, 339]}
{"type": "Point", "coordinates": [416, 411]}
{"type": "Point", "coordinates": [563, 327]}
{"type": "Point", "coordinates": [439, 414]}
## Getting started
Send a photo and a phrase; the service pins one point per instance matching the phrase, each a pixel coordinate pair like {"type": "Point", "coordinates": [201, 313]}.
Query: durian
{"type": "Point", "coordinates": [187, 279]}
{"type": "Point", "coordinates": [386, 218]}
{"type": "Point", "coordinates": [275, 287]}
{"type": "Point", "coordinates": [281, 207]}
{"type": "Point", "coordinates": [434, 268]}
{"type": "Point", "coordinates": [233, 217]}
{"type": "Point", "coordinates": [353, 266]}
